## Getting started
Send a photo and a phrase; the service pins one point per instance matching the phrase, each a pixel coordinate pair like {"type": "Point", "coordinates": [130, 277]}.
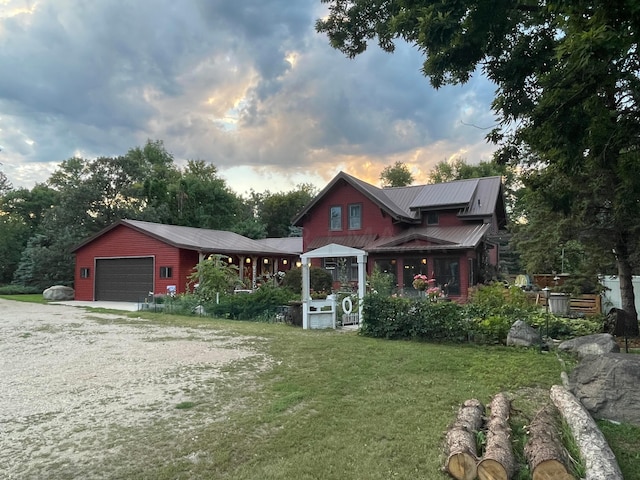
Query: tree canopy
{"type": "Point", "coordinates": [396, 175]}
{"type": "Point", "coordinates": [567, 95]}
{"type": "Point", "coordinates": [40, 227]}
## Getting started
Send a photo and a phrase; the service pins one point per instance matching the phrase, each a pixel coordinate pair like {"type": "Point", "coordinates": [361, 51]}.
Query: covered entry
{"type": "Point", "coordinates": [322, 313]}
{"type": "Point", "coordinates": [123, 279]}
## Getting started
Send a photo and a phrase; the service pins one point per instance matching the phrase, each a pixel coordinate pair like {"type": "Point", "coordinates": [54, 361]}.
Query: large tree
{"type": "Point", "coordinates": [277, 210]}
{"type": "Point", "coordinates": [568, 94]}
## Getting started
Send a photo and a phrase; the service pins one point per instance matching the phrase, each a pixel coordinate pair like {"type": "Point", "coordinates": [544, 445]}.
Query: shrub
{"type": "Point", "coordinates": [380, 282]}
{"type": "Point", "coordinates": [19, 290]}
{"type": "Point", "coordinates": [403, 318]}
{"type": "Point", "coordinates": [319, 280]}
{"type": "Point", "coordinates": [261, 305]}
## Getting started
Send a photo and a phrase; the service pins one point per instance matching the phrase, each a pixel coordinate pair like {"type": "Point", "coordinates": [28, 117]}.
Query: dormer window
{"type": "Point", "coordinates": [335, 218]}
{"type": "Point", "coordinates": [432, 218]}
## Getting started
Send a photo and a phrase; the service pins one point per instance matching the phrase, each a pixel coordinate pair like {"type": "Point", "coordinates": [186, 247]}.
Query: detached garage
{"type": "Point", "coordinates": [131, 259]}
{"type": "Point", "coordinates": [123, 279]}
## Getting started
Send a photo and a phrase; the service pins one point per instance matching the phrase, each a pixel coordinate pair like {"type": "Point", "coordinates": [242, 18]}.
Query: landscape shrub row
{"type": "Point", "coordinates": [486, 319]}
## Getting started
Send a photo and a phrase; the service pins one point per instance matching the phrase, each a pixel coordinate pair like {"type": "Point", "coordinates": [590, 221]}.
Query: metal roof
{"type": "Point", "coordinates": [439, 238]}
{"type": "Point", "coordinates": [202, 239]}
{"type": "Point", "coordinates": [354, 241]}
{"type": "Point", "coordinates": [475, 197]}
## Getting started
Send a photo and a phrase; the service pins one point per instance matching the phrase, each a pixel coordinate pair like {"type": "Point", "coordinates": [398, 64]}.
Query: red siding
{"type": "Point", "coordinates": [374, 221]}
{"type": "Point", "coordinates": [343, 194]}
{"type": "Point", "coordinates": [123, 241]}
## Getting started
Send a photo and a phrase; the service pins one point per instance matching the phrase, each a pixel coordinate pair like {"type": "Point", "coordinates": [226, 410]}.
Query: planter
{"type": "Point", "coordinates": [559, 303]}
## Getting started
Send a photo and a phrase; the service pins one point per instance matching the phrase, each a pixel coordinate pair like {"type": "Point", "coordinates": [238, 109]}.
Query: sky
{"type": "Point", "coordinates": [247, 85]}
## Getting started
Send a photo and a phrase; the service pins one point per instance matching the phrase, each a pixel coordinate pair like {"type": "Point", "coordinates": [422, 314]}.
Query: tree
{"type": "Point", "coordinates": [396, 175]}
{"type": "Point", "coordinates": [203, 199]}
{"type": "Point", "coordinates": [277, 210]}
{"type": "Point", "coordinates": [567, 94]}
{"type": "Point", "coordinates": [5, 184]}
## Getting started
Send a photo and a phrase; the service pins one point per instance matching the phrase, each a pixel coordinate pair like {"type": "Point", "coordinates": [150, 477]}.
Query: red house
{"type": "Point", "coordinates": [444, 231]}
{"type": "Point", "coordinates": [130, 259]}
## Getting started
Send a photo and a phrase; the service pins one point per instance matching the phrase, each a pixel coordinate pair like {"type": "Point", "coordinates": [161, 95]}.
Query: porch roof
{"type": "Point", "coordinates": [439, 238]}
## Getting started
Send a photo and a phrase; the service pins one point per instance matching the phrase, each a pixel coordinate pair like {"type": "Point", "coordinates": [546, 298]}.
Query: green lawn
{"type": "Point", "coordinates": [336, 405]}
{"type": "Point", "coordinates": [340, 406]}
{"type": "Point", "coordinates": [30, 298]}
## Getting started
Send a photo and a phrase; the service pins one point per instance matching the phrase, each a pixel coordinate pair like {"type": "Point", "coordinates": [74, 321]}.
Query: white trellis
{"type": "Point", "coordinates": [322, 314]}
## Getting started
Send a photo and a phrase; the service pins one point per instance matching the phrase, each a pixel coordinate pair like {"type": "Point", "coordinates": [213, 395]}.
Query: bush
{"type": "Point", "coordinates": [19, 290]}
{"type": "Point", "coordinates": [319, 280]}
{"type": "Point", "coordinates": [261, 305]}
{"type": "Point", "coordinates": [403, 318]}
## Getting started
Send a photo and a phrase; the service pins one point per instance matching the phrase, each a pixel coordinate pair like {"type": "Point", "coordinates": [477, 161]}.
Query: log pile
{"type": "Point", "coordinates": [545, 454]}
{"type": "Point", "coordinates": [461, 441]}
{"type": "Point", "coordinates": [498, 462]}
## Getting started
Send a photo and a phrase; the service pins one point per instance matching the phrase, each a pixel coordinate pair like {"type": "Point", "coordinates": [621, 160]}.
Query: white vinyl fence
{"type": "Point", "coordinates": [611, 297]}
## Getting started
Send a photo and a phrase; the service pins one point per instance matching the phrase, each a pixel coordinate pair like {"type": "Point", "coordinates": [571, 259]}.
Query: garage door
{"type": "Point", "coordinates": [124, 279]}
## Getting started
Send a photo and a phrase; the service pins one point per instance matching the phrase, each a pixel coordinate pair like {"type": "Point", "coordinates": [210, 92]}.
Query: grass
{"type": "Point", "coordinates": [337, 405]}
{"type": "Point", "coordinates": [332, 405]}
{"type": "Point", "coordinates": [624, 440]}
{"type": "Point", "coordinates": [30, 298]}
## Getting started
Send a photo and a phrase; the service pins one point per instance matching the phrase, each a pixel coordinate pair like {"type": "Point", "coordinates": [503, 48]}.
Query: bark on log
{"type": "Point", "coordinates": [600, 462]}
{"type": "Point", "coordinates": [498, 462]}
{"type": "Point", "coordinates": [462, 454]}
{"type": "Point", "coordinates": [545, 454]}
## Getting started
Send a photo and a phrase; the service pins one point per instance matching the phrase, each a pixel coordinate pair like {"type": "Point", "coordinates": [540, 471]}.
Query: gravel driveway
{"type": "Point", "coordinates": [72, 381]}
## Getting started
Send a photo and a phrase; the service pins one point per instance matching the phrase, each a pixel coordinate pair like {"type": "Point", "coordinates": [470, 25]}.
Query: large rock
{"type": "Point", "coordinates": [595, 344]}
{"type": "Point", "coordinates": [58, 293]}
{"type": "Point", "coordinates": [607, 386]}
{"type": "Point", "coordinates": [522, 335]}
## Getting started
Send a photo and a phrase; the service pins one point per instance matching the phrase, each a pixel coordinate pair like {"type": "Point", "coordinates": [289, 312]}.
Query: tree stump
{"type": "Point", "coordinates": [462, 454]}
{"type": "Point", "coordinates": [545, 454]}
{"type": "Point", "coordinates": [498, 462]}
{"type": "Point", "coordinates": [600, 462]}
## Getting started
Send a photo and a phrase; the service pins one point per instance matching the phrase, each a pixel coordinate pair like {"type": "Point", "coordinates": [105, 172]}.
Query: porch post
{"type": "Point", "coordinates": [305, 292]}
{"type": "Point", "coordinates": [362, 283]}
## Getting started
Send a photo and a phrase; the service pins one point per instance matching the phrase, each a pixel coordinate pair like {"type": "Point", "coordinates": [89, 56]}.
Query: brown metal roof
{"type": "Point", "coordinates": [475, 198]}
{"type": "Point", "coordinates": [440, 238]}
{"type": "Point", "coordinates": [354, 241]}
{"type": "Point", "coordinates": [201, 239]}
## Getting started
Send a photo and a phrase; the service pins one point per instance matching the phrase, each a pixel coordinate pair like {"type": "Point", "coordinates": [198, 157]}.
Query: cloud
{"type": "Point", "coordinates": [248, 86]}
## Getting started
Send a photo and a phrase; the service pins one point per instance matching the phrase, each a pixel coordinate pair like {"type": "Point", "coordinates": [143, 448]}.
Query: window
{"type": "Point", "coordinates": [413, 266]}
{"type": "Point", "coordinates": [335, 218]}
{"type": "Point", "coordinates": [85, 272]}
{"type": "Point", "coordinates": [166, 272]}
{"type": "Point", "coordinates": [432, 218]}
{"type": "Point", "coordinates": [355, 216]}
{"type": "Point", "coordinates": [447, 272]}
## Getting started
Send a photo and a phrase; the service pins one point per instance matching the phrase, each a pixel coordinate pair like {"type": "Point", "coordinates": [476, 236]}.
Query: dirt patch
{"type": "Point", "coordinates": [77, 385]}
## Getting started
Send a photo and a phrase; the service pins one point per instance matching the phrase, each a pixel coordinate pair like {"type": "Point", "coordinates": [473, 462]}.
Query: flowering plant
{"type": "Point", "coordinates": [421, 282]}
{"type": "Point", "coordinates": [434, 293]}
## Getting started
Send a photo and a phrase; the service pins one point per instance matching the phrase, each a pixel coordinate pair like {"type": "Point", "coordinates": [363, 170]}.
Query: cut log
{"type": "Point", "coordinates": [545, 454]}
{"type": "Point", "coordinates": [462, 454]}
{"type": "Point", "coordinates": [599, 460]}
{"type": "Point", "coordinates": [498, 462]}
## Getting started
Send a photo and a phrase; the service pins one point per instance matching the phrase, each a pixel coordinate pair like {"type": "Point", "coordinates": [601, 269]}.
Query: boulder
{"type": "Point", "coordinates": [595, 344]}
{"type": "Point", "coordinates": [58, 293]}
{"type": "Point", "coordinates": [607, 386]}
{"type": "Point", "coordinates": [522, 335]}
